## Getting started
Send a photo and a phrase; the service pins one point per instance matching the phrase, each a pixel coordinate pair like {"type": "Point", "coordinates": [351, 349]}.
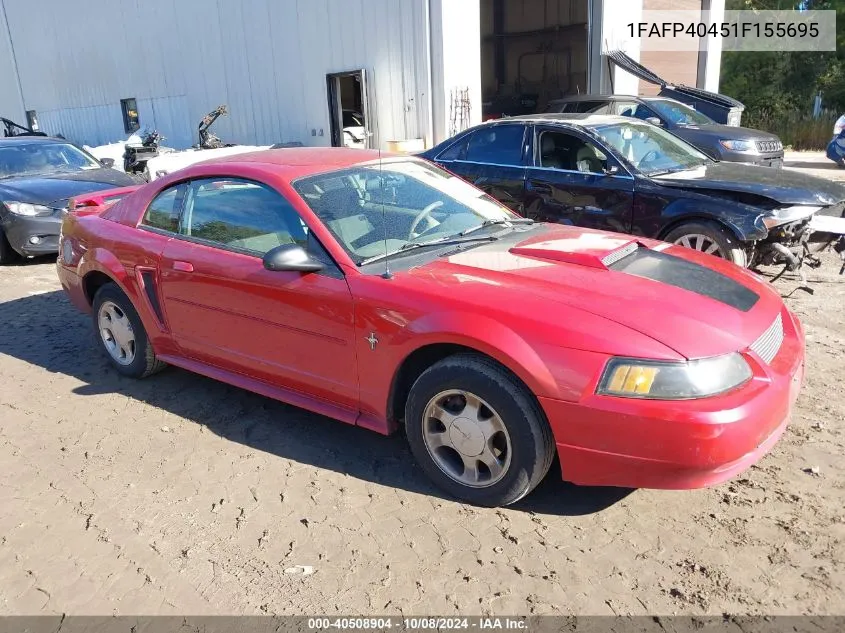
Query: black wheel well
{"type": "Point", "coordinates": [92, 282]}
{"type": "Point", "coordinates": [417, 362]}
{"type": "Point", "coordinates": [695, 218]}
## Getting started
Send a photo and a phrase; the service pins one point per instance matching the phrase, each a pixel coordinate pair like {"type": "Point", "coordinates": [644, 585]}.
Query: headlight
{"type": "Point", "coordinates": [786, 215]}
{"type": "Point", "coordinates": [739, 146]}
{"type": "Point", "coordinates": [661, 380]}
{"type": "Point", "coordinates": [25, 208]}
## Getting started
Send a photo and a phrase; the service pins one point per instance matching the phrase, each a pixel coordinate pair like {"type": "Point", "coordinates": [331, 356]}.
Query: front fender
{"type": "Point", "coordinates": [485, 335]}
{"type": "Point", "coordinates": [744, 220]}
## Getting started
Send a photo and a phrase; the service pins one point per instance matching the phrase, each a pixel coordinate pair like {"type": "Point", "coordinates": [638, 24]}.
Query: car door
{"type": "Point", "coordinates": [493, 158]}
{"type": "Point", "coordinates": [225, 309]}
{"type": "Point", "coordinates": [575, 181]}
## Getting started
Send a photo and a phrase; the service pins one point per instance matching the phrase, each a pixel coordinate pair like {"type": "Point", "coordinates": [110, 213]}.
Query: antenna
{"type": "Point", "coordinates": [386, 274]}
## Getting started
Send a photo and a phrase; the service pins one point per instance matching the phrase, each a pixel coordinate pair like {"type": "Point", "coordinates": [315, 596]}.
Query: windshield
{"type": "Point", "coordinates": [649, 148]}
{"type": "Point", "coordinates": [373, 209]}
{"type": "Point", "coordinates": [679, 113]}
{"type": "Point", "coordinates": [42, 158]}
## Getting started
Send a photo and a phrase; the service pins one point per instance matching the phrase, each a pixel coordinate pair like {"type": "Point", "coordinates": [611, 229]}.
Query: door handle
{"type": "Point", "coordinates": [185, 267]}
{"type": "Point", "coordinates": [542, 189]}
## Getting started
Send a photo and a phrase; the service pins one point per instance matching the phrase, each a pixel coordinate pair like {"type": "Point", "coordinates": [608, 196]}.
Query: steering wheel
{"type": "Point", "coordinates": [422, 215]}
{"type": "Point", "coordinates": [649, 157]}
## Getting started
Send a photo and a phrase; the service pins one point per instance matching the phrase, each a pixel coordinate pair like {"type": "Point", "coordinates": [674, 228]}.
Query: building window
{"type": "Point", "coordinates": [32, 120]}
{"type": "Point", "coordinates": [130, 115]}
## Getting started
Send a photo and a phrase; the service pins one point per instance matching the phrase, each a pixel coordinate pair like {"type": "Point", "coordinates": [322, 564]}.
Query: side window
{"type": "Point", "coordinates": [241, 215]}
{"type": "Point", "coordinates": [594, 107]}
{"type": "Point", "coordinates": [457, 151]}
{"type": "Point", "coordinates": [501, 144]}
{"type": "Point", "coordinates": [163, 212]}
{"type": "Point", "coordinates": [635, 110]}
{"type": "Point", "coordinates": [559, 150]}
{"type": "Point", "coordinates": [559, 106]}
{"type": "Point", "coordinates": [625, 108]}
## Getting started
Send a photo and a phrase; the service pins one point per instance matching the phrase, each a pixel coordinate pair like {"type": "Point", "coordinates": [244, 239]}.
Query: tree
{"type": "Point", "coordinates": [777, 83]}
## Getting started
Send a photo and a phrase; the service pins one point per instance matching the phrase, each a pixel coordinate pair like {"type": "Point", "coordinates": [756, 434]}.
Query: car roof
{"type": "Point", "coordinates": [577, 98]}
{"type": "Point", "coordinates": [297, 162]}
{"type": "Point", "coordinates": [575, 118]}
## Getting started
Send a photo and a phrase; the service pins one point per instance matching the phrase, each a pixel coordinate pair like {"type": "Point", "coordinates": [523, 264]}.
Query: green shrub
{"type": "Point", "coordinates": [797, 130]}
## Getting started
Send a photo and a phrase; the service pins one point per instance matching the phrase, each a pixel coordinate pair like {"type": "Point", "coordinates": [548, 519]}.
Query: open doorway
{"type": "Point", "coordinates": [532, 52]}
{"type": "Point", "coordinates": [348, 112]}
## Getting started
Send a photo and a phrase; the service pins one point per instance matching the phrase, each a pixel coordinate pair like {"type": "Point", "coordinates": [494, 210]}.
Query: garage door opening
{"type": "Point", "coordinates": [347, 94]}
{"type": "Point", "coordinates": [532, 52]}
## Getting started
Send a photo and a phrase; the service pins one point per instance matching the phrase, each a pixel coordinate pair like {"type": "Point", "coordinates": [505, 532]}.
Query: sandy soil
{"type": "Point", "coordinates": [181, 495]}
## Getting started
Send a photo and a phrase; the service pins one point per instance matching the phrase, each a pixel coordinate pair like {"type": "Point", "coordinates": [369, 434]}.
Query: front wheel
{"type": "Point", "coordinates": [709, 238]}
{"type": "Point", "coordinates": [121, 334]}
{"type": "Point", "coordinates": [477, 432]}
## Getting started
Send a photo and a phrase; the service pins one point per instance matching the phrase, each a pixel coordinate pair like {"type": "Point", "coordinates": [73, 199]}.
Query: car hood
{"type": "Point", "coordinates": [561, 267]}
{"type": "Point", "coordinates": [728, 132]}
{"type": "Point", "coordinates": [50, 188]}
{"type": "Point", "coordinates": [781, 185]}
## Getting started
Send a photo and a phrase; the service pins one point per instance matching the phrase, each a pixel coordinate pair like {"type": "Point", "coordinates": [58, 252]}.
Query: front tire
{"type": "Point", "coordinates": [477, 431]}
{"type": "Point", "coordinates": [710, 238]}
{"type": "Point", "coordinates": [121, 334]}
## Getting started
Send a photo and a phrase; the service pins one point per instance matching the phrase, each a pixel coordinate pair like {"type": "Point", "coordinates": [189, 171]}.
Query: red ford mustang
{"type": "Point", "coordinates": [386, 292]}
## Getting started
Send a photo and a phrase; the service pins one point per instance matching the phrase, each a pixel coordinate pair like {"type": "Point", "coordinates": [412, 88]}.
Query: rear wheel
{"type": "Point", "coordinates": [477, 432]}
{"type": "Point", "coordinates": [710, 238]}
{"type": "Point", "coordinates": [121, 334]}
{"type": "Point", "coordinates": [7, 253]}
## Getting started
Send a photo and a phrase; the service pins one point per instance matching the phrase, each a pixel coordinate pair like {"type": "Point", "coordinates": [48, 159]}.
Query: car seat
{"type": "Point", "coordinates": [587, 160]}
{"type": "Point", "coordinates": [342, 212]}
{"type": "Point", "coordinates": [550, 155]}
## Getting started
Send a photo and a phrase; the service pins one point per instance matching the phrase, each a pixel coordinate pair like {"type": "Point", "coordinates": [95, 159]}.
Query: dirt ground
{"type": "Point", "coordinates": [181, 495]}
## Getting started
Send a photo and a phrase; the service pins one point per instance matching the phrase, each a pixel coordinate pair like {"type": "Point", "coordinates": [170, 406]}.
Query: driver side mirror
{"type": "Point", "coordinates": [291, 257]}
{"type": "Point", "coordinates": [655, 121]}
{"type": "Point", "coordinates": [611, 170]}
{"type": "Point", "coordinates": [107, 162]}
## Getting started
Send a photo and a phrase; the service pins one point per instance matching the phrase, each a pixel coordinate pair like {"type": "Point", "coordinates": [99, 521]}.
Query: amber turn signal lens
{"type": "Point", "coordinates": [632, 379]}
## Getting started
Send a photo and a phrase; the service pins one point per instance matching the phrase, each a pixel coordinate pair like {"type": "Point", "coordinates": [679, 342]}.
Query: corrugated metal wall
{"type": "Point", "coordinates": [266, 59]}
{"type": "Point", "coordinates": [11, 103]}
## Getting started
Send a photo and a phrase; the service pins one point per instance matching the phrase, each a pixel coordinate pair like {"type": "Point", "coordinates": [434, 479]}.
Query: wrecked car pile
{"type": "Point", "coordinates": [144, 155]}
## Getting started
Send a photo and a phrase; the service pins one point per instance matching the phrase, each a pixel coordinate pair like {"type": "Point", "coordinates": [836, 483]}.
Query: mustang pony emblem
{"type": "Point", "coordinates": [372, 340]}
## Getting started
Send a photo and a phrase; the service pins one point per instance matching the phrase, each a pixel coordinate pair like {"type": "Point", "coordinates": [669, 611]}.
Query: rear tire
{"type": "Point", "coordinates": [121, 335]}
{"type": "Point", "coordinates": [469, 402]}
{"type": "Point", "coordinates": [711, 238]}
{"type": "Point", "coordinates": [7, 253]}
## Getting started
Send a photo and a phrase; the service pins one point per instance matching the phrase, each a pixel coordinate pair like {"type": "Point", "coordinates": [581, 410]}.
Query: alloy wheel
{"type": "Point", "coordinates": [699, 242]}
{"type": "Point", "coordinates": [466, 438]}
{"type": "Point", "coordinates": [116, 333]}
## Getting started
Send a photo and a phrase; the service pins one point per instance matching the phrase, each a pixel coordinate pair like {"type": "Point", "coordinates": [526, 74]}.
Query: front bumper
{"type": "Point", "coordinates": [608, 441]}
{"type": "Point", "coordinates": [772, 159]}
{"type": "Point", "coordinates": [32, 235]}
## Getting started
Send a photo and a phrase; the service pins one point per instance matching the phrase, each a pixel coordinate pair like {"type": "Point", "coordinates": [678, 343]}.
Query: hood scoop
{"type": "Point", "coordinates": [597, 251]}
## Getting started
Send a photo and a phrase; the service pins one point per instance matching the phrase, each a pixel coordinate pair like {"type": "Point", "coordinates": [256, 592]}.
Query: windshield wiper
{"type": "Point", "coordinates": [503, 221]}
{"type": "Point", "coordinates": [446, 241]}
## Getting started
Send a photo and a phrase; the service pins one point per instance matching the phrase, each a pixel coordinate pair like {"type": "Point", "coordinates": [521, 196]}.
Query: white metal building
{"type": "Point", "coordinates": [93, 70]}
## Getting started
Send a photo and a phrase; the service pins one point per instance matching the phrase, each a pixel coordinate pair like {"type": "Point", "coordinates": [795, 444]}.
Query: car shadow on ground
{"type": "Point", "coordinates": [47, 331]}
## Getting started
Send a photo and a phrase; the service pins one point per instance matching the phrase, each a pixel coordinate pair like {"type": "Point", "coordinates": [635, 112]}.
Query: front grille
{"type": "Point", "coordinates": [615, 256]}
{"type": "Point", "coordinates": [769, 146]}
{"type": "Point", "coordinates": [768, 345]}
